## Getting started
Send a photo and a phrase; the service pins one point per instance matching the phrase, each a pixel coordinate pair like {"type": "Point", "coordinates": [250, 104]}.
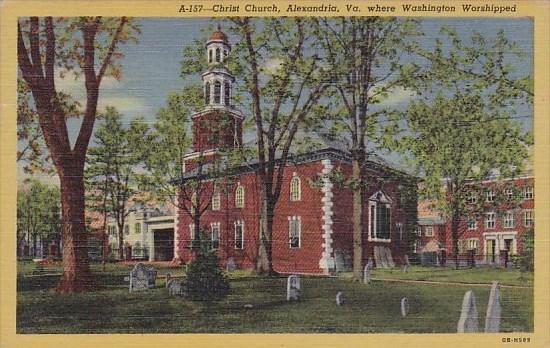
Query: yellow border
{"type": "Point", "coordinates": [10, 10]}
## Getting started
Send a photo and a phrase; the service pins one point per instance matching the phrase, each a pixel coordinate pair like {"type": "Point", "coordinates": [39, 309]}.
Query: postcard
{"type": "Point", "coordinates": [286, 173]}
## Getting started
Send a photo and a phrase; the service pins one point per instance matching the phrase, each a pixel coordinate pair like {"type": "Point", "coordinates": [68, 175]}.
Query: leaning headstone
{"type": "Point", "coordinates": [468, 321]}
{"type": "Point", "coordinates": [142, 278]}
{"type": "Point", "coordinates": [404, 306]}
{"type": "Point", "coordinates": [230, 266]}
{"type": "Point", "coordinates": [492, 318]}
{"type": "Point", "coordinates": [339, 298]}
{"type": "Point", "coordinates": [366, 273]}
{"type": "Point", "coordinates": [168, 277]}
{"type": "Point", "coordinates": [174, 287]}
{"type": "Point", "coordinates": [293, 288]}
{"type": "Point", "coordinates": [406, 264]}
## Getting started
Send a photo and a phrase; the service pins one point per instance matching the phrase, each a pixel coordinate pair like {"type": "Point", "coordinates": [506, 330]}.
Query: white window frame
{"type": "Point", "coordinates": [216, 198]}
{"type": "Point", "coordinates": [239, 196]}
{"type": "Point", "coordinates": [509, 192]}
{"type": "Point", "coordinates": [493, 220]}
{"type": "Point", "coordinates": [472, 224]}
{"type": "Point", "coordinates": [379, 198]}
{"type": "Point", "coordinates": [215, 226]}
{"type": "Point", "coordinates": [528, 192]}
{"type": "Point", "coordinates": [472, 198]}
{"type": "Point", "coordinates": [429, 228]}
{"type": "Point", "coordinates": [296, 220]}
{"type": "Point", "coordinates": [295, 188]}
{"type": "Point", "coordinates": [241, 224]}
{"type": "Point", "coordinates": [473, 243]}
{"type": "Point", "coordinates": [399, 228]}
{"type": "Point", "coordinates": [137, 226]}
{"type": "Point", "coordinates": [528, 222]}
{"type": "Point", "coordinates": [508, 219]}
{"type": "Point", "coordinates": [490, 195]}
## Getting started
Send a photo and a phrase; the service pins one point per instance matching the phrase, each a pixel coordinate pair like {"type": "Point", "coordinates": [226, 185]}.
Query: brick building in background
{"type": "Point", "coordinates": [495, 234]}
{"type": "Point", "coordinates": [312, 228]}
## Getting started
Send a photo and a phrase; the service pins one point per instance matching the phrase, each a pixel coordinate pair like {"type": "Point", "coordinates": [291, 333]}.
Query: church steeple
{"type": "Point", "coordinates": [217, 80]}
{"type": "Point", "coordinates": [219, 125]}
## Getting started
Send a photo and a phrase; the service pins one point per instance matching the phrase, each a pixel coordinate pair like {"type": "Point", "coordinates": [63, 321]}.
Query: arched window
{"type": "Point", "coordinates": [380, 217]}
{"type": "Point", "coordinates": [227, 92]}
{"type": "Point", "coordinates": [207, 93]}
{"type": "Point", "coordinates": [295, 189]}
{"type": "Point", "coordinates": [209, 56]}
{"type": "Point", "coordinates": [218, 55]}
{"type": "Point", "coordinates": [217, 92]}
{"type": "Point", "coordinates": [239, 197]}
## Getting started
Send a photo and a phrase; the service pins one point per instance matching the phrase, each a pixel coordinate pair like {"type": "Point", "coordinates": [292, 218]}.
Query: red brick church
{"type": "Point", "coordinates": [312, 229]}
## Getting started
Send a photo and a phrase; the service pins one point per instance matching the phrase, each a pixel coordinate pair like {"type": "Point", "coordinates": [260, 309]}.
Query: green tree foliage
{"type": "Point", "coordinates": [37, 213]}
{"type": "Point", "coordinates": [463, 128]}
{"type": "Point", "coordinates": [364, 57]}
{"type": "Point", "coordinates": [527, 255]}
{"type": "Point", "coordinates": [112, 164]}
{"type": "Point", "coordinates": [88, 49]}
{"type": "Point", "coordinates": [205, 280]}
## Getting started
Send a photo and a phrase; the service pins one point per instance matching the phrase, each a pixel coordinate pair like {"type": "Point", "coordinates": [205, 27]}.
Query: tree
{"type": "Point", "coordinates": [87, 46]}
{"type": "Point", "coordinates": [283, 77]}
{"type": "Point", "coordinates": [467, 132]}
{"type": "Point", "coordinates": [111, 168]}
{"type": "Point", "coordinates": [364, 57]}
{"type": "Point", "coordinates": [37, 213]}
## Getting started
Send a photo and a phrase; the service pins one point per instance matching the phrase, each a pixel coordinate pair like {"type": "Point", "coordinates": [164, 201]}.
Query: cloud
{"type": "Point", "coordinates": [73, 84]}
{"type": "Point", "coordinates": [272, 65]}
{"type": "Point", "coordinates": [124, 104]}
{"type": "Point", "coordinates": [398, 95]}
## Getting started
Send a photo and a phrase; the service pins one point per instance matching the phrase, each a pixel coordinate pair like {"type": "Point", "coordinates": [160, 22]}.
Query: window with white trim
{"type": "Point", "coordinates": [239, 196]}
{"type": "Point", "coordinates": [399, 228]}
{"type": "Point", "coordinates": [216, 197]}
{"type": "Point", "coordinates": [295, 189]}
{"type": "Point", "coordinates": [215, 233]}
{"type": "Point", "coordinates": [137, 228]}
{"type": "Point", "coordinates": [429, 231]}
{"type": "Point", "coordinates": [472, 224]}
{"type": "Point", "coordinates": [239, 234]}
{"type": "Point", "coordinates": [508, 219]}
{"type": "Point", "coordinates": [217, 92]}
{"type": "Point", "coordinates": [490, 195]}
{"type": "Point", "coordinates": [490, 220]}
{"type": "Point", "coordinates": [111, 230]}
{"type": "Point", "coordinates": [472, 198]}
{"type": "Point", "coordinates": [509, 192]}
{"type": "Point", "coordinates": [379, 217]}
{"type": "Point", "coordinates": [528, 218]}
{"type": "Point", "coordinates": [528, 192]}
{"type": "Point", "coordinates": [473, 244]}
{"type": "Point", "coordinates": [294, 231]}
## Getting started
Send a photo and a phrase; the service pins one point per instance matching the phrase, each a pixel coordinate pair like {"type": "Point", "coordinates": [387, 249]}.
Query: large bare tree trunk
{"type": "Point", "coordinates": [357, 221]}
{"type": "Point", "coordinates": [264, 264]}
{"type": "Point", "coordinates": [77, 276]}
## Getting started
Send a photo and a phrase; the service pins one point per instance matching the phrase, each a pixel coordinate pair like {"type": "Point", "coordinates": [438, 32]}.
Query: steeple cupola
{"type": "Point", "coordinates": [217, 81]}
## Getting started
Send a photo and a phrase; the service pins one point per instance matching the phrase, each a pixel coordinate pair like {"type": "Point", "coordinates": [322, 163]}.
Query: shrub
{"type": "Point", "coordinates": [527, 256]}
{"type": "Point", "coordinates": [205, 279]}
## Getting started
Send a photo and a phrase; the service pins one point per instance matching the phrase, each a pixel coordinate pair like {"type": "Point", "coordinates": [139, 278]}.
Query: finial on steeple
{"type": "Point", "coordinates": [219, 27]}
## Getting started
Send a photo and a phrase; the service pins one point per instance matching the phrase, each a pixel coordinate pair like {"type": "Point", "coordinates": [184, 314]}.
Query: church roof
{"type": "Point", "coordinates": [219, 35]}
{"type": "Point", "coordinates": [376, 164]}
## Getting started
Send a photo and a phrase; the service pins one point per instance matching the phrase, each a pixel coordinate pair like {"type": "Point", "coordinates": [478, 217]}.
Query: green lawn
{"type": "Point", "coordinates": [467, 275]}
{"type": "Point", "coordinates": [367, 308]}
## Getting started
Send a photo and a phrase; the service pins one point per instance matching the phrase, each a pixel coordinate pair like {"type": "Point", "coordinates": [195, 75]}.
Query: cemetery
{"type": "Point", "coordinates": [142, 298]}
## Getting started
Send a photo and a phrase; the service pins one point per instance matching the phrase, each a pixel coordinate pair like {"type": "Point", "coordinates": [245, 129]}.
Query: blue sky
{"type": "Point", "coordinates": [151, 67]}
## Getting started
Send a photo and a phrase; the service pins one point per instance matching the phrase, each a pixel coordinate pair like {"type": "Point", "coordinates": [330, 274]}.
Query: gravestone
{"type": "Point", "coordinates": [168, 277]}
{"type": "Point", "coordinates": [339, 261]}
{"type": "Point", "coordinates": [468, 321]}
{"type": "Point", "coordinates": [174, 287]}
{"type": "Point", "coordinates": [230, 266]}
{"type": "Point", "coordinates": [406, 264]}
{"type": "Point", "coordinates": [492, 318]}
{"type": "Point", "coordinates": [404, 306]}
{"type": "Point", "coordinates": [142, 278]}
{"type": "Point", "coordinates": [378, 258]}
{"type": "Point", "coordinates": [293, 289]}
{"type": "Point", "coordinates": [389, 258]}
{"type": "Point", "coordinates": [366, 272]}
{"type": "Point", "coordinates": [339, 298]}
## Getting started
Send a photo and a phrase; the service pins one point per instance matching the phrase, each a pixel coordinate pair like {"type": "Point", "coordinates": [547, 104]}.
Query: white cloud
{"type": "Point", "coordinates": [398, 95]}
{"type": "Point", "coordinates": [124, 104]}
{"type": "Point", "coordinates": [72, 84]}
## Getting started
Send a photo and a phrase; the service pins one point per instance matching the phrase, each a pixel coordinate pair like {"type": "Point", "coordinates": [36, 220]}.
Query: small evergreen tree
{"type": "Point", "coordinates": [205, 279]}
{"type": "Point", "coordinates": [527, 255]}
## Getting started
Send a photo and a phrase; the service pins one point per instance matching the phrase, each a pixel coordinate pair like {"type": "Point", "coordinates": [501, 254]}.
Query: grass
{"type": "Point", "coordinates": [367, 308]}
{"type": "Point", "coordinates": [447, 274]}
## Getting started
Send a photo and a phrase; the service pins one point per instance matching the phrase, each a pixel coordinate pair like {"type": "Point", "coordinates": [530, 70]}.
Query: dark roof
{"type": "Point", "coordinates": [377, 164]}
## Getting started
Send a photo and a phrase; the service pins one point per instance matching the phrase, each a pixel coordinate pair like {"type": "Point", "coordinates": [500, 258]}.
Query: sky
{"type": "Point", "coordinates": [151, 68]}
